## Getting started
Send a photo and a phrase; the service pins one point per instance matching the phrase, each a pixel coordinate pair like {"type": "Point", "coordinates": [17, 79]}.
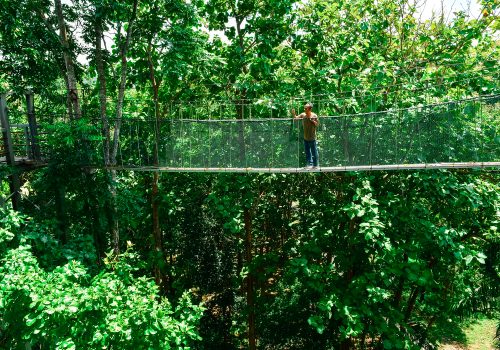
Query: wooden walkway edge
{"type": "Point", "coordinates": [334, 169]}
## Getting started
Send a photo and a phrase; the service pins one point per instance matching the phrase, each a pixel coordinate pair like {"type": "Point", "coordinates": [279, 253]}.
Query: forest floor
{"type": "Point", "coordinates": [477, 335]}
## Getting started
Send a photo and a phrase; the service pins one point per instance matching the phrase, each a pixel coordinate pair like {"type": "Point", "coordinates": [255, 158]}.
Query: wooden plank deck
{"type": "Point", "coordinates": [23, 161]}
{"type": "Point", "coordinates": [388, 167]}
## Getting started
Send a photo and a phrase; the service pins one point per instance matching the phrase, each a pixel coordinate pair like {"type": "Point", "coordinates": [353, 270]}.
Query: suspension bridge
{"type": "Point", "coordinates": [261, 138]}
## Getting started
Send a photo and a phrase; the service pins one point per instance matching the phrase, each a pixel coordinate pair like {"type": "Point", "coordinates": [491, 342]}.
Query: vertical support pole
{"type": "Point", "coordinates": [33, 127]}
{"type": "Point", "coordinates": [27, 139]}
{"type": "Point", "coordinates": [15, 184]}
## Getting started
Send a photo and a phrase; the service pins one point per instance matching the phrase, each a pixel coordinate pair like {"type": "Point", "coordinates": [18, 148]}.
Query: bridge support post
{"type": "Point", "coordinates": [33, 137]}
{"type": "Point", "coordinates": [15, 183]}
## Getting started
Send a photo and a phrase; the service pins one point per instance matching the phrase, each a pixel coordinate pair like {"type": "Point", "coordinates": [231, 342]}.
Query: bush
{"type": "Point", "coordinates": [67, 308]}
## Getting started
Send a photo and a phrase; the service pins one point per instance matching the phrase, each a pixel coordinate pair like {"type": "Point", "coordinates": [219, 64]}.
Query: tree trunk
{"type": "Point", "coordinates": [399, 291]}
{"type": "Point", "coordinates": [123, 79]}
{"type": "Point", "coordinates": [68, 60]}
{"type": "Point", "coordinates": [15, 182]}
{"type": "Point", "coordinates": [240, 114]}
{"type": "Point", "coordinates": [92, 209]}
{"type": "Point", "coordinates": [116, 135]}
{"type": "Point", "coordinates": [157, 237]}
{"type": "Point", "coordinates": [411, 303]}
{"type": "Point", "coordinates": [105, 133]}
{"type": "Point", "coordinates": [60, 202]}
{"type": "Point", "coordinates": [240, 101]}
{"type": "Point", "coordinates": [115, 232]}
{"type": "Point", "coordinates": [346, 344]}
{"type": "Point", "coordinates": [101, 78]}
{"type": "Point", "coordinates": [250, 282]}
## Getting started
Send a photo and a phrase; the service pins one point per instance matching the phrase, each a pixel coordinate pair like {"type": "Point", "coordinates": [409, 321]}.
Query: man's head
{"type": "Point", "coordinates": [308, 108]}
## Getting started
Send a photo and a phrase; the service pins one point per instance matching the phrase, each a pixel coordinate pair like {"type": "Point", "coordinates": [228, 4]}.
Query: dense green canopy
{"type": "Point", "coordinates": [98, 258]}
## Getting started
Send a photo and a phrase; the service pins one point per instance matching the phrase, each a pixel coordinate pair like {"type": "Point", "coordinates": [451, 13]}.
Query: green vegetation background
{"type": "Point", "coordinates": [101, 259]}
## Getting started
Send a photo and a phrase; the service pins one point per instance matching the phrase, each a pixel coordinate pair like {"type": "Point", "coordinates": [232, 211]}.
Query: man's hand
{"type": "Point", "coordinates": [293, 113]}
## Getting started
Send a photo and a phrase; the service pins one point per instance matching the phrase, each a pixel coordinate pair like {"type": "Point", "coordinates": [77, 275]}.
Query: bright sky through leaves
{"type": "Point", "coordinates": [468, 6]}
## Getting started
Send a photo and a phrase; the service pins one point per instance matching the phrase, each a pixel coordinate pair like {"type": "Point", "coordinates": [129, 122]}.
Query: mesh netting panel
{"type": "Point", "coordinates": [228, 143]}
{"type": "Point", "coordinates": [464, 131]}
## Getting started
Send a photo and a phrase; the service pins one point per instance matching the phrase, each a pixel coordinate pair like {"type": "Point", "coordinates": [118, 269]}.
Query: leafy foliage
{"type": "Point", "coordinates": [312, 261]}
{"type": "Point", "coordinates": [67, 308]}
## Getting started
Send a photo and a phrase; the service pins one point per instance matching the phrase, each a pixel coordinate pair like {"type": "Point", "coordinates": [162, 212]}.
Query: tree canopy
{"type": "Point", "coordinates": [98, 258]}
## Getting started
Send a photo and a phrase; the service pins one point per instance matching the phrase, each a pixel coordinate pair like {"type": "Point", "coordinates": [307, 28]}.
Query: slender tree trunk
{"type": "Point", "coordinates": [250, 281]}
{"type": "Point", "coordinates": [115, 231]}
{"type": "Point", "coordinates": [116, 135]}
{"type": "Point", "coordinates": [157, 237]}
{"type": "Point", "coordinates": [411, 303]}
{"type": "Point", "coordinates": [93, 217]}
{"type": "Point", "coordinates": [346, 344]}
{"type": "Point", "coordinates": [101, 78]}
{"type": "Point", "coordinates": [240, 113]}
{"type": "Point", "coordinates": [240, 102]}
{"type": "Point", "coordinates": [60, 202]}
{"type": "Point", "coordinates": [68, 60]}
{"type": "Point", "coordinates": [399, 291]}
{"type": "Point", "coordinates": [105, 133]}
{"type": "Point", "coordinates": [123, 79]}
{"type": "Point", "coordinates": [15, 182]}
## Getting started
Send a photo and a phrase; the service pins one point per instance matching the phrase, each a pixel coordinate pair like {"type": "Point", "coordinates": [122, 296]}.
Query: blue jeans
{"type": "Point", "coordinates": [311, 149]}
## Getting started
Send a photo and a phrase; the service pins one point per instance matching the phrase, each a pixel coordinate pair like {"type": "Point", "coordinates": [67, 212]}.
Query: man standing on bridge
{"type": "Point", "coordinates": [310, 123]}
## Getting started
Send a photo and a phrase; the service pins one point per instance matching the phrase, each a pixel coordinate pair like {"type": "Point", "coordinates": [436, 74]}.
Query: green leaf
{"type": "Point", "coordinates": [317, 323]}
{"type": "Point", "coordinates": [72, 309]}
{"type": "Point", "coordinates": [468, 259]}
{"type": "Point", "coordinates": [31, 322]}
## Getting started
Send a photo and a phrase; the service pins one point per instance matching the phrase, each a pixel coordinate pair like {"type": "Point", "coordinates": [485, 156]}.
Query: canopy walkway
{"type": "Point", "coordinates": [456, 134]}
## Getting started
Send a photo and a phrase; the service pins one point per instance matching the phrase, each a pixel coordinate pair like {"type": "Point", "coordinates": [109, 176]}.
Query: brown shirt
{"type": "Point", "coordinates": [309, 127]}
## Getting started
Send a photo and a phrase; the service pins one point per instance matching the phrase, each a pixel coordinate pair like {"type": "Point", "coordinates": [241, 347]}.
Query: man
{"type": "Point", "coordinates": [310, 123]}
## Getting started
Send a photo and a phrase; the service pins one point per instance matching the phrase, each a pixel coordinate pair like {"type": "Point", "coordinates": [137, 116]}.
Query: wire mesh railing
{"type": "Point", "coordinates": [452, 132]}
{"type": "Point", "coordinates": [262, 135]}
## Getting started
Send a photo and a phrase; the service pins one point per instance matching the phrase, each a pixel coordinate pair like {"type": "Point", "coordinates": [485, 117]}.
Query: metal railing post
{"type": "Point", "coordinates": [33, 127]}
{"type": "Point", "coordinates": [15, 184]}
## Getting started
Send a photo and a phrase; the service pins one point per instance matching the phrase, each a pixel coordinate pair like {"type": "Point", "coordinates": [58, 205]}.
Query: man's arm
{"type": "Point", "coordinates": [295, 116]}
{"type": "Point", "coordinates": [314, 119]}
